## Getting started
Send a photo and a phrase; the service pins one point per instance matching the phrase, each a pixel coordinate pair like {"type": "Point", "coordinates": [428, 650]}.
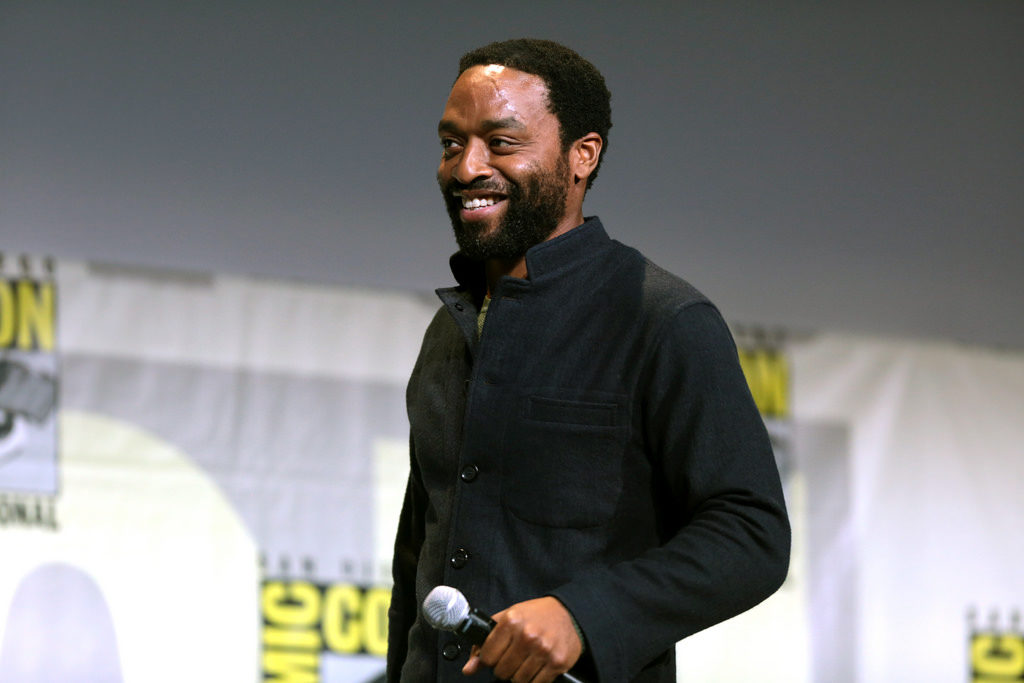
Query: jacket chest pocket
{"type": "Point", "coordinates": [564, 462]}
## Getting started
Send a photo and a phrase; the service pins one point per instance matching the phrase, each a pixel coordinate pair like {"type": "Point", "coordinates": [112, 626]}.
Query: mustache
{"type": "Point", "coordinates": [480, 184]}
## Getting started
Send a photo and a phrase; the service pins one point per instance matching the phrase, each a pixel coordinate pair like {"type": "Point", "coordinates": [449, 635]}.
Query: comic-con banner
{"type": "Point", "coordinates": [996, 648]}
{"type": "Point", "coordinates": [310, 627]}
{"type": "Point", "coordinates": [200, 478]}
{"type": "Point", "coordinates": [29, 480]}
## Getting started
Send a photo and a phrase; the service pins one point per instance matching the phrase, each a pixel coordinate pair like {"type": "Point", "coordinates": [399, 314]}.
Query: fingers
{"type": "Point", "coordinates": [522, 660]}
{"type": "Point", "coordinates": [530, 671]}
{"type": "Point", "coordinates": [533, 669]}
{"type": "Point", "coordinates": [473, 665]}
{"type": "Point", "coordinates": [533, 642]}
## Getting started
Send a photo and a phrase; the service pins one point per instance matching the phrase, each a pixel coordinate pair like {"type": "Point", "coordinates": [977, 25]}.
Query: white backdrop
{"type": "Point", "coordinates": [232, 454]}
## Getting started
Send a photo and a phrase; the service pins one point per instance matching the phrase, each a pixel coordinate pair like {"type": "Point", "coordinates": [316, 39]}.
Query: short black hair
{"type": "Point", "coordinates": [577, 94]}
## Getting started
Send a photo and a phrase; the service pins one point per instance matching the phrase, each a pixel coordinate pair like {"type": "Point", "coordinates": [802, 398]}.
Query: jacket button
{"type": "Point", "coordinates": [469, 473]}
{"type": "Point", "coordinates": [458, 307]}
{"type": "Point", "coordinates": [459, 558]}
{"type": "Point", "coordinates": [451, 651]}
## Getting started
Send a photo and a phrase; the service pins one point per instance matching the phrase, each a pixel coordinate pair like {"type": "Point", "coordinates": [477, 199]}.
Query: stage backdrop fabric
{"type": "Point", "coordinates": [200, 477]}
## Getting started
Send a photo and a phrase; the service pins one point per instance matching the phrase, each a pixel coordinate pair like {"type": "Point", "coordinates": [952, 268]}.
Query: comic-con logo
{"type": "Point", "coordinates": [996, 650]}
{"type": "Point", "coordinates": [315, 630]}
{"type": "Point", "coordinates": [28, 379]}
{"type": "Point", "coordinates": [27, 397]}
{"type": "Point", "coordinates": [766, 368]}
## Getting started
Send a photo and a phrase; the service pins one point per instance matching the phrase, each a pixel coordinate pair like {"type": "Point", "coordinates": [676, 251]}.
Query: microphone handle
{"type": "Point", "coordinates": [477, 625]}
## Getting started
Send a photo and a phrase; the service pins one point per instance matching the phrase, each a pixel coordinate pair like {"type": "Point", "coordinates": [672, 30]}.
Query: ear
{"type": "Point", "coordinates": [584, 155]}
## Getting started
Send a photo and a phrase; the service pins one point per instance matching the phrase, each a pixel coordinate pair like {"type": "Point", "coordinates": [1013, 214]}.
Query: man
{"type": "Point", "coordinates": [586, 460]}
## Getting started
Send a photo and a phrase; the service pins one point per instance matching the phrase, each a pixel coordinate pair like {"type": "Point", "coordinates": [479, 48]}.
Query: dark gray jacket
{"type": "Point", "coordinates": [598, 444]}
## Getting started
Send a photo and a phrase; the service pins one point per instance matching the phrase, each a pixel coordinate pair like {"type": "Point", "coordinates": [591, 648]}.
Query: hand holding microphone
{"type": "Point", "coordinates": [446, 609]}
{"type": "Point", "coordinates": [532, 640]}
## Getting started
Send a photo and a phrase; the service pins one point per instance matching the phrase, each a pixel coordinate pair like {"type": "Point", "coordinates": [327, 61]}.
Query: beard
{"type": "Point", "coordinates": [533, 209]}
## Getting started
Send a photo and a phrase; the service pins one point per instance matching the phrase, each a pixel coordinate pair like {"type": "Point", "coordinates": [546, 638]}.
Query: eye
{"type": "Point", "coordinates": [501, 143]}
{"type": "Point", "coordinates": [449, 147]}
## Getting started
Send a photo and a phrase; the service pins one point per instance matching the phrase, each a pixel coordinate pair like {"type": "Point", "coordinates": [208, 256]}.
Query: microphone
{"type": "Point", "coordinates": [446, 609]}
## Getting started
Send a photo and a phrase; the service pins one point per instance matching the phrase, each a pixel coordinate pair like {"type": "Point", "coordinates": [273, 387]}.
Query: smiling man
{"type": "Point", "coordinates": [586, 459]}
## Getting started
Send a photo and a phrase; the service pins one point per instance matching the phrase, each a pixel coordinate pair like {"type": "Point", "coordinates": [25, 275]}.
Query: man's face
{"type": "Point", "coordinates": [503, 175]}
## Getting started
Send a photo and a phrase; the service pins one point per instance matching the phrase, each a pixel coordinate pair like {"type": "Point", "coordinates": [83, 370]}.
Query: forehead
{"type": "Point", "coordinates": [494, 92]}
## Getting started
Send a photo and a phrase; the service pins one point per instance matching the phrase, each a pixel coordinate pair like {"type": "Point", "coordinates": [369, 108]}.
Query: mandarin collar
{"type": "Point", "coordinates": [543, 260]}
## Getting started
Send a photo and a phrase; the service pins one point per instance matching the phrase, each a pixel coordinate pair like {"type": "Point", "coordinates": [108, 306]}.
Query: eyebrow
{"type": "Point", "coordinates": [448, 126]}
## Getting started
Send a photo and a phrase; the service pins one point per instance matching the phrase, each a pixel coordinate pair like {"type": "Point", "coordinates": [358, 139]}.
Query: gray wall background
{"type": "Point", "coordinates": [853, 166]}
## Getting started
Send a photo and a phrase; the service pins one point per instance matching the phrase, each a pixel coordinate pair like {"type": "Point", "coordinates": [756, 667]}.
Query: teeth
{"type": "Point", "coordinates": [477, 203]}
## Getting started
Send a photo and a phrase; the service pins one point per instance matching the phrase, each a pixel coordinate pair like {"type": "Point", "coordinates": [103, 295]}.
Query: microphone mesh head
{"type": "Point", "coordinates": [445, 608]}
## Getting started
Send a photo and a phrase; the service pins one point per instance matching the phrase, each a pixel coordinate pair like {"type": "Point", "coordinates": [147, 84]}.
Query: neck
{"type": "Point", "coordinates": [495, 269]}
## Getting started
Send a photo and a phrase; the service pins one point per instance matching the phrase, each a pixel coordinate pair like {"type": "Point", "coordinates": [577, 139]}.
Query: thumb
{"type": "Point", "coordinates": [474, 662]}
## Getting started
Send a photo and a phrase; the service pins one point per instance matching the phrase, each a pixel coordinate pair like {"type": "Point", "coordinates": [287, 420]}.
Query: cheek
{"type": "Point", "coordinates": [515, 169]}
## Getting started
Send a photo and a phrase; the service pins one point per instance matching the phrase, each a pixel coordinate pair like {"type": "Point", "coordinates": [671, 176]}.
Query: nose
{"type": "Point", "coordinates": [472, 163]}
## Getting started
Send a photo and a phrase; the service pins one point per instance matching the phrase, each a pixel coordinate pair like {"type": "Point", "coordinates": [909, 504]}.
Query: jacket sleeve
{"type": "Point", "coordinates": [408, 540]}
{"type": "Point", "coordinates": [728, 546]}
